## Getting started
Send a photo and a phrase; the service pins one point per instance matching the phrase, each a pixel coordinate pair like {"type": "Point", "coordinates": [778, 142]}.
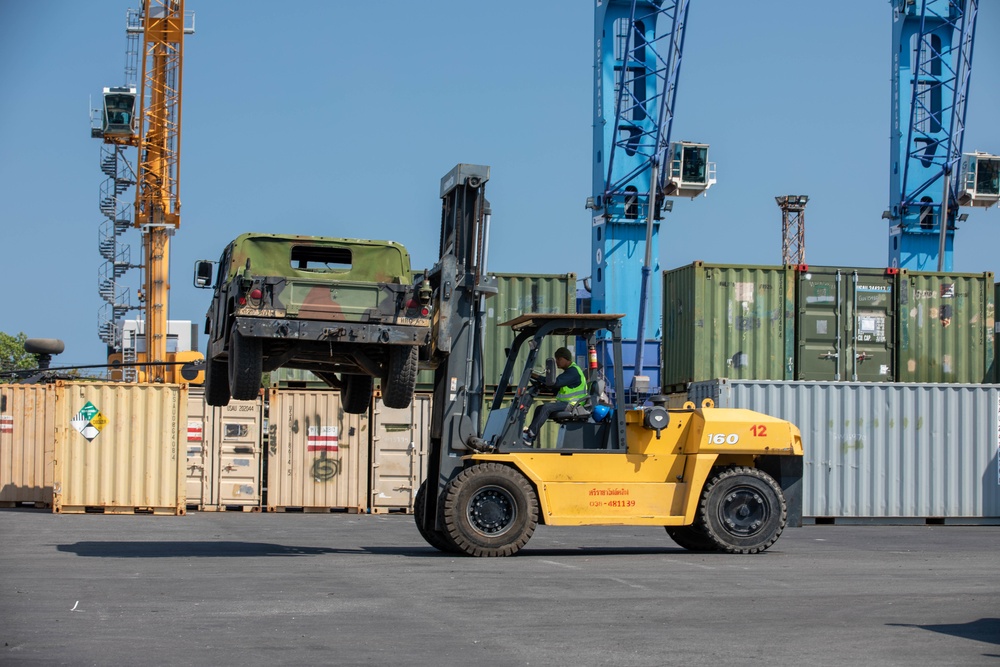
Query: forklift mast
{"type": "Point", "coordinates": [460, 287]}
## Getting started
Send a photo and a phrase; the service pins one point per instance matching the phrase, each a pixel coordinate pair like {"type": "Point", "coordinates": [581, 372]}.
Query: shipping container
{"type": "Point", "coordinates": [888, 451]}
{"type": "Point", "coordinates": [119, 448]}
{"type": "Point", "coordinates": [317, 453]}
{"type": "Point", "coordinates": [519, 293]}
{"type": "Point", "coordinates": [198, 463]}
{"type": "Point", "coordinates": [728, 321]}
{"type": "Point", "coordinates": [946, 327]}
{"type": "Point", "coordinates": [996, 338]}
{"type": "Point", "coordinates": [845, 324]}
{"type": "Point", "coordinates": [237, 453]}
{"type": "Point", "coordinates": [295, 378]}
{"type": "Point", "coordinates": [400, 446]}
{"type": "Point", "coordinates": [27, 443]}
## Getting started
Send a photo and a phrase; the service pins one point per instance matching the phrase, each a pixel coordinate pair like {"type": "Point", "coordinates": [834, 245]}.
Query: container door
{"type": "Point", "coordinates": [237, 440]}
{"type": "Point", "coordinates": [399, 448]}
{"type": "Point", "coordinates": [870, 353]}
{"type": "Point", "coordinates": [818, 324]}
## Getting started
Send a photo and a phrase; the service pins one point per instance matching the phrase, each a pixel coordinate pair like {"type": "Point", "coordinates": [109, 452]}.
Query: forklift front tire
{"type": "Point", "coordinates": [742, 510]}
{"type": "Point", "coordinates": [490, 510]}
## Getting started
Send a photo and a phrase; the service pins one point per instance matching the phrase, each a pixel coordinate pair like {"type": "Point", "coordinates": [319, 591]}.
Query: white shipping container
{"type": "Point", "coordinates": [317, 454]}
{"type": "Point", "coordinates": [236, 448]}
{"type": "Point", "coordinates": [118, 448]}
{"type": "Point", "coordinates": [27, 443]}
{"type": "Point", "coordinates": [885, 450]}
{"type": "Point", "coordinates": [198, 463]}
{"type": "Point", "coordinates": [400, 444]}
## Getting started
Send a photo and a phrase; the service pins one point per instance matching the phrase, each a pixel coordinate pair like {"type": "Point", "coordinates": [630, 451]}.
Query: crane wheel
{"type": "Point", "coordinates": [489, 510]}
{"type": "Point", "coordinates": [436, 538]}
{"type": "Point", "coordinates": [742, 510]}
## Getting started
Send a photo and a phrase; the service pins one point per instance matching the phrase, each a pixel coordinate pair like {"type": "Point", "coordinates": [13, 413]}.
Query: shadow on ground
{"type": "Point", "coordinates": [214, 549]}
{"type": "Point", "coordinates": [983, 630]}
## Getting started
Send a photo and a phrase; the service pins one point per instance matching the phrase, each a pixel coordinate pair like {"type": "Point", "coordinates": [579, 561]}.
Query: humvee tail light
{"type": "Point", "coordinates": [256, 294]}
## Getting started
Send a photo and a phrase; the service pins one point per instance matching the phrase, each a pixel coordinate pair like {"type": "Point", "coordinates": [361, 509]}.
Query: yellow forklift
{"type": "Point", "coordinates": [717, 479]}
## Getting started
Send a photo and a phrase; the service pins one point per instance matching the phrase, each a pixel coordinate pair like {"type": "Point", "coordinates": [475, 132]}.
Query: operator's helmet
{"type": "Point", "coordinates": [601, 412]}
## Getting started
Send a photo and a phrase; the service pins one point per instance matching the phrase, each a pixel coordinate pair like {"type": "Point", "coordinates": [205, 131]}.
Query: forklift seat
{"type": "Point", "coordinates": [582, 412]}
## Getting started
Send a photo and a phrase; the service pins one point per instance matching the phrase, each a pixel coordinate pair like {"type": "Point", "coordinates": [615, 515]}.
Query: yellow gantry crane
{"type": "Point", "coordinates": [155, 130]}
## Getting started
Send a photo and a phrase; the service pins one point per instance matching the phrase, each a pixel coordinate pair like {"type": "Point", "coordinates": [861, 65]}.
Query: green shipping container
{"type": "Point", "coordinates": [727, 321]}
{"type": "Point", "coordinates": [996, 338]}
{"type": "Point", "coordinates": [845, 324]}
{"type": "Point", "coordinates": [518, 293]}
{"type": "Point", "coordinates": [946, 327]}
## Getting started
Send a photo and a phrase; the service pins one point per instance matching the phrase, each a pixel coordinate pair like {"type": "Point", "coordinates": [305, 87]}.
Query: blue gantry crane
{"type": "Point", "coordinates": [930, 177]}
{"type": "Point", "coordinates": [639, 47]}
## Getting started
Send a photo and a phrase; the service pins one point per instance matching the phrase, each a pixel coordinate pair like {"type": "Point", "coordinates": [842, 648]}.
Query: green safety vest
{"type": "Point", "coordinates": [575, 394]}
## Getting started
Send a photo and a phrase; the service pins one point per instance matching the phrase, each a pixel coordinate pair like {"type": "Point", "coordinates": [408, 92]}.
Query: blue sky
{"type": "Point", "coordinates": [339, 119]}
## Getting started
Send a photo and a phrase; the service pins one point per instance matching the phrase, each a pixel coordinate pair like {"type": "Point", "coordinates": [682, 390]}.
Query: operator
{"type": "Point", "coordinates": [570, 388]}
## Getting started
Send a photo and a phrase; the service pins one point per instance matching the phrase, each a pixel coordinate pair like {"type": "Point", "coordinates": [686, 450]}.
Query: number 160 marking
{"type": "Point", "coordinates": [723, 438]}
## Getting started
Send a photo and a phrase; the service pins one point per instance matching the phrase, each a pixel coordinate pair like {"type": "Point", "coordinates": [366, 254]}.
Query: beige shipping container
{"type": "Point", "coordinates": [400, 444]}
{"type": "Point", "coordinates": [27, 443]}
{"type": "Point", "coordinates": [198, 466]}
{"type": "Point", "coordinates": [118, 448]}
{"type": "Point", "coordinates": [236, 449]}
{"type": "Point", "coordinates": [317, 455]}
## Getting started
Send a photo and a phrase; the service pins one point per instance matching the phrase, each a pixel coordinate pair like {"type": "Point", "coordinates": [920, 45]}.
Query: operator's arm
{"type": "Point", "coordinates": [568, 378]}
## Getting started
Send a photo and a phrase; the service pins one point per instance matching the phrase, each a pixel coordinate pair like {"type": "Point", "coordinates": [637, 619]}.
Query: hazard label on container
{"type": "Point", "coordinates": [6, 423]}
{"type": "Point", "coordinates": [194, 431]}
{"type": "Point", "coordinates": [89, 421]}
{"type": "Point", "coordinates": [322, 439]}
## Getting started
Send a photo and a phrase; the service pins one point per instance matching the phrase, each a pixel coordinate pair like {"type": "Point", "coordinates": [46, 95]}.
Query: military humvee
{"type": "Point", "coordinates": [345, 309]}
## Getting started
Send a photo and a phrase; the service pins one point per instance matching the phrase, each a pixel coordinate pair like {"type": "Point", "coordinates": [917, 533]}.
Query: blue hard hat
{"type": "Point", "coordinates": [601, 412]}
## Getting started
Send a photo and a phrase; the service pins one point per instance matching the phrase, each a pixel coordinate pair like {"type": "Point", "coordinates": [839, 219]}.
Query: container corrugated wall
{"type": "Point", "coordinates": [519, 293]}
{"type": "Point", "coordinates": [946, 327]}
{"type": "Point", "coordinates": [119, 448]}
{"type": "Point", "coordinates": [317, 453]}
{"type": "Point", "coordinates": [237, 449]}
{"type": "Point", "coordinates": [296, 378]}
{"type": "Point", "coordinates": [400, 445]}
{"type": "Point", "coordinates": [727, 321]}
{"type": "Point", "coordinates": [198, 460]}
{"type": "Point", "coordinates": [885, 450]}
{"type": "Point", "coordinates": [27, 443]}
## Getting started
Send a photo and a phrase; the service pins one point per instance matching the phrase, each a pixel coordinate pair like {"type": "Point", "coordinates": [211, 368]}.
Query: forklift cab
{"type": "Point", "coordinates": [118, 118]}
{"type": "Point", "coordinates": [596, 424]}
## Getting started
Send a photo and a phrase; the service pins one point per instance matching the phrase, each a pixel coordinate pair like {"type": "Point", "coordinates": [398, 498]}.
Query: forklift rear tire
{"type": "Point", "coordinates": [400, 378]}
{"type": "Point", "coordinates": [246, 363]}
{"type": "Point", "coordinates": [489, 510]}
{"type": "Point", "coordinates": [216, 383]}
{"type": "Point", "coordinates": [692, 538]}
{"type": "Point", "coordinates": [742, 509]}
{"type": "Point", "coordinates": [436, 538]}
{"type": "Point", "coordinates": [357, 393]}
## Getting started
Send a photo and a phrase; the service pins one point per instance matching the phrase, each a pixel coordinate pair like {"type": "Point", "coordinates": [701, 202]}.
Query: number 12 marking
{"type": "Point", "coordinates": [759, 430]}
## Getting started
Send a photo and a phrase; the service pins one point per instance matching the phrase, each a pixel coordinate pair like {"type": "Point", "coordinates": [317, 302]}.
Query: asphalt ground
{"type": "Point", "coordinates": [340, 589]}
